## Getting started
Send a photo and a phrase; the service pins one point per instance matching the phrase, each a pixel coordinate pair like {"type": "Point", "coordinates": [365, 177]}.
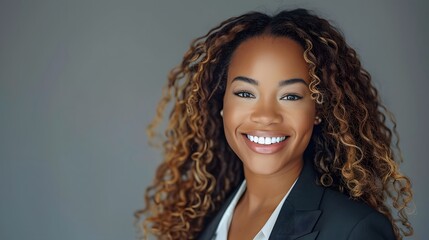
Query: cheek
{"type": "Point", "coordinates": [231, 118]}
{"type": "Point", "coordinates": [234, 115]}
{"type": "Point", "coordinates": [303, 120]}
{"type": "Point", "coordinates": [228, 118]}
{"type": "Point", "coordinates": [305, 128]}
{"type": "Point", "coordinates": [230, 125]}
{"type": "Point", "coordinates": [232, 111]}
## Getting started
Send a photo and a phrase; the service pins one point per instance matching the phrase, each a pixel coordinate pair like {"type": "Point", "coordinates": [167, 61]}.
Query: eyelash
{"type": "Point", "coordinates": [288, 97]}
{"type": "Point", "coordinates": [244, 94]}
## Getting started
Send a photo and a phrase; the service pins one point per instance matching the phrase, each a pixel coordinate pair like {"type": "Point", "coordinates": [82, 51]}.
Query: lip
{"type": "Point", "coordinates": [265, 149]}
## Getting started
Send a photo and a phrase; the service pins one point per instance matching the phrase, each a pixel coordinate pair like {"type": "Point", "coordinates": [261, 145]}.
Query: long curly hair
{"type": "Point", "coordinates": [355, 149]}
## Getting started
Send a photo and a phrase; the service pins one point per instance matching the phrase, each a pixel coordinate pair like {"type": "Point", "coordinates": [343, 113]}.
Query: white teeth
{"type": "Point", "coordinates": [265, 140]}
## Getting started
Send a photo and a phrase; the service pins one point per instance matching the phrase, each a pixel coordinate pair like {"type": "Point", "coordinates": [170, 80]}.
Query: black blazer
{"type": "Point", "coordinates": [315, 212]}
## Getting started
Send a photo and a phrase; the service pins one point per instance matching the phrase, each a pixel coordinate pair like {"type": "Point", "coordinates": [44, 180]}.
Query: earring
{"type": "Point", "coordinates": [318, 120]}
{"type": "Point", "coordinates": [221, 113]}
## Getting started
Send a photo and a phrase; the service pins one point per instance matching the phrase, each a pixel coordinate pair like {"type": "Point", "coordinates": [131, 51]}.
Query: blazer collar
{"type": "Point", "coordinates": [298, 215]}
{"type": "Point", "coordinates": [300, 212]}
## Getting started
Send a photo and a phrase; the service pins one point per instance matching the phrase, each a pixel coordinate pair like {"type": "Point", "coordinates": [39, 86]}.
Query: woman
{"type": "Point", "coordinates": [276, 132]}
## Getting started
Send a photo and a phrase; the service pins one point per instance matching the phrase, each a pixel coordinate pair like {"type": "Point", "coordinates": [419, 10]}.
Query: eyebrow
{"type": "Point", "coordinates": [281, 84]}
{"type": "Point", "coordinates": [292, 81]}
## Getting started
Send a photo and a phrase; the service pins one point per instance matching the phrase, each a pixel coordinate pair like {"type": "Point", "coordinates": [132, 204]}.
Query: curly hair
{"type": "Point", "coordinates": [354, 150]}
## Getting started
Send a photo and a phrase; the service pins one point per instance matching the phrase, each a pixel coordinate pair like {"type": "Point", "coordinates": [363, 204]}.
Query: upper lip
{"type": "Point", "coordinates": [260, 133]}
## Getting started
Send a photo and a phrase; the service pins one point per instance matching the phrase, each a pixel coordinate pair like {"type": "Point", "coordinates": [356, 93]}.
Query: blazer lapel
{"type": "Point", "coordinates": [300, 211]}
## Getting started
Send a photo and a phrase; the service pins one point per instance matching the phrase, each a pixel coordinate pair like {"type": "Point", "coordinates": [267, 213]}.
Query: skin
{"type": "Point", "coordinates": [267, 95]}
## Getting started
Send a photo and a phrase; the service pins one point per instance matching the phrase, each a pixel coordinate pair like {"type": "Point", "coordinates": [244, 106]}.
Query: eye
{"type": "Point", "coordinates": [244, 94]}
{"type": "Point", "coordinates": [291, 97]}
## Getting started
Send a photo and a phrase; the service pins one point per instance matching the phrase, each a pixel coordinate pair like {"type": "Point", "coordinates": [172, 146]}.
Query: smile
{"type": "Point", "coordinates": [265, 140]}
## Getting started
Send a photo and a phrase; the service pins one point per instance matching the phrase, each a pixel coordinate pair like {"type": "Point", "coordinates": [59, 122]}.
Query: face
{"type": "Point", "coordinates": [268, 111]}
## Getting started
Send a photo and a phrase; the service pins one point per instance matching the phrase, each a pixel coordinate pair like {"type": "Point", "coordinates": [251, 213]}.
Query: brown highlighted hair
{"type": "Point", "coordinates": [354, 150]}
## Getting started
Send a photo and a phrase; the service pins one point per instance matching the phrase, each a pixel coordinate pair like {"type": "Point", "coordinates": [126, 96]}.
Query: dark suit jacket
{"type": "Point", "coordinates": [315, 212]}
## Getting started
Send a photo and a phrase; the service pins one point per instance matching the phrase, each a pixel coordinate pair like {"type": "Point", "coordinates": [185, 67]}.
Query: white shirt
{"type": "Point", "coordinates": [264, 233]}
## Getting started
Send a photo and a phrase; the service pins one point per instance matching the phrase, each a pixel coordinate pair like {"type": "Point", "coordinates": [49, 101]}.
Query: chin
{"type": "Point", "coordinates": [262, 167]}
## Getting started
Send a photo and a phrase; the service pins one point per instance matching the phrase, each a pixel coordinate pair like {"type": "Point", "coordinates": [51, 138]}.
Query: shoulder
{"type": "Point", "coordinates": [351, 219]}
{"type": "Point", "coordinates": [342, 206]}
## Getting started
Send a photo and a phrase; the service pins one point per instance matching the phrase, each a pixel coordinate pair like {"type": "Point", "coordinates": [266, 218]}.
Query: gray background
{"type": "Point", "coordinates": [79, 81]}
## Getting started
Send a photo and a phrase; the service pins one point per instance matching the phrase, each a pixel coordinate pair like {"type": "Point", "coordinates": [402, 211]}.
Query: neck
{"type": "Point", "coordinates": [268, 190]}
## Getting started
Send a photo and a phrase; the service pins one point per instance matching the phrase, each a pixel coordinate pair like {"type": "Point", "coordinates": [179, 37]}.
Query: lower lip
{"type": "Point", "coordinates": [265, 149]}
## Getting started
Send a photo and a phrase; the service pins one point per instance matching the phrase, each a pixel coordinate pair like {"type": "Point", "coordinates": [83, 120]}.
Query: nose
{"type": "Point", "coordinates": [266, 113]}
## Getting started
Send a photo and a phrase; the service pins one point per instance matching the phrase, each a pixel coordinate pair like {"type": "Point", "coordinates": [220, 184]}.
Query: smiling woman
{"type": "Point", "coordinates": [266, 98]}
{"type": "Point", "coordinates": [276, 132]}
{"type": "Point", "coordinates": [279, 106]}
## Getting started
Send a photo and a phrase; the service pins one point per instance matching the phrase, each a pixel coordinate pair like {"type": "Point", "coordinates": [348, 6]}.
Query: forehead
{"type": "Point", "coordinates": [263, 56]}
